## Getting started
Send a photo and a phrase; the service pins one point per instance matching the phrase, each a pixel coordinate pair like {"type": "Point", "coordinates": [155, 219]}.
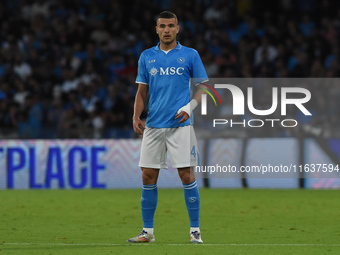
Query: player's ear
{"type": "Point", "coordinates": [177, 29]}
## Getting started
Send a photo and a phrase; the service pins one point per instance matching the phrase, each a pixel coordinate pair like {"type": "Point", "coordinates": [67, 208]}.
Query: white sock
{"type": "Point", "coordinates": [148, 230]}
{"type": "Point", "coordinates": [194, 229]}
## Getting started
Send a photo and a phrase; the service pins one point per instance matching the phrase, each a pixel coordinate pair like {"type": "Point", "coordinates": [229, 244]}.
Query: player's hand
{"type": "Point", "coordinates": [138, 126]}
{"type": "Point", "coordinates": [184, 116]}
{"type": "Point", "coordinates": [186, 110]}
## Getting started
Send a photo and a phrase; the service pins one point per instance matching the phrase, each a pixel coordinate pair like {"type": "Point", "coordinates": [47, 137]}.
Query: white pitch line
{"type": "Point", "coordinates": [127, 244]}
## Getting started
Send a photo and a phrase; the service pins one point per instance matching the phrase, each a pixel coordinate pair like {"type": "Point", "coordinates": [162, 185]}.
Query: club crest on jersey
{"type": "Point", "coordinates": [181, 60]}
{"type": "Point", "coordinates": [153, 71]}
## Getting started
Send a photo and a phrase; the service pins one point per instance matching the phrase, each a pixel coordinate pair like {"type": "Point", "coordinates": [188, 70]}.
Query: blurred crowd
{"type": "Point", "coordinates": [68, 68]}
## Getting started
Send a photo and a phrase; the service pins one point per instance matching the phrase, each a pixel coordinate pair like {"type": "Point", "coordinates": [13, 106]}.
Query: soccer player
{"type": "Point", "coordinates": [165, 72]}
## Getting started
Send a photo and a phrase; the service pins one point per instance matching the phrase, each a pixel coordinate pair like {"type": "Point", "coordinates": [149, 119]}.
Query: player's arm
{"type": "Point", "coordinates": [141, 96]}
{"type": "Point", "coordinates": [186, 110]}
{"type": "Point", "coordinates": [200, 92]}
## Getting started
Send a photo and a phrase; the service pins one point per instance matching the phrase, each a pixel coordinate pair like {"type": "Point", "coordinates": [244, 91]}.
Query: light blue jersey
{"type": "Point", "coordinates": [168, 76]}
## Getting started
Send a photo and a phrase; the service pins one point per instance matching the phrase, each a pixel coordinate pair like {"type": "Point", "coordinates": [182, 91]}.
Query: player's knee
{"type": "Point", "coordinates": [185, 176]}
{"type": "Point", "coordinates": [149, 177]}
{"type": "Point", "coordinates": [187, 179]}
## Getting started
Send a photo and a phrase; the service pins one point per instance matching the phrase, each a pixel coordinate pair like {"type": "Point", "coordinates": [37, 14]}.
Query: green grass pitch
{"type": "Point", "coordinates": [232, 222]}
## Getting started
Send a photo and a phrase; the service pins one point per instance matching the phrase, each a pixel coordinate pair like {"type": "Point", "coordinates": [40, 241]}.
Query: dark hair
{"type": "Point", "coordinates": [167, 15]}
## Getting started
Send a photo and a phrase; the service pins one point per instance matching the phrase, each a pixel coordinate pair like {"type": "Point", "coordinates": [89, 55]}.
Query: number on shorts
{"type": "Point", "coordinates": [193, 151]}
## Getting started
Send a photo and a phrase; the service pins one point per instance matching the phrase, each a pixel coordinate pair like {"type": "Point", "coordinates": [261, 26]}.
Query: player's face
{"type": "Point", "coordinates": [167, 30]}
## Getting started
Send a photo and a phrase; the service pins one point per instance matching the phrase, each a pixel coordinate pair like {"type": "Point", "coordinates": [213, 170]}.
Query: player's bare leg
{"type": "Point", "coordinates": [149, 175]}
{"type": "Point", "coordinates": [186, 174]}
{"type": "Point", "coordinates": [192, 201]}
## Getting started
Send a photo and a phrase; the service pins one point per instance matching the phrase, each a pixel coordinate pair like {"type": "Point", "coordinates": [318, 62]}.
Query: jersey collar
{"type": "Point", "coordinates": [178, 46]}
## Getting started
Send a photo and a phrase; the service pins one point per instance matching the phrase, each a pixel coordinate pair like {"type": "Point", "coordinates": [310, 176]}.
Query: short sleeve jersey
{"type": "Point", "coordinates": [169, 78]}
